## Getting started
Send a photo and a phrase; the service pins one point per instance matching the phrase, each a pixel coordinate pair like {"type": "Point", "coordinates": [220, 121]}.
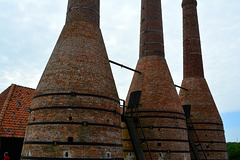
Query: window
{"type": "Point", "coordinates": [66, 154]}
{"type": "Point", "coordinates": [108, 154]}
{"type": "Point", "coordinates": [29, 153]}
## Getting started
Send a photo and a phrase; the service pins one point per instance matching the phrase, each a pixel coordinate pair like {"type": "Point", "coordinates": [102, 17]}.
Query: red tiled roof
{"type": "Point", "coordinates": [3, 97]}
{"type": "Point", "coordinates": [15, 102]}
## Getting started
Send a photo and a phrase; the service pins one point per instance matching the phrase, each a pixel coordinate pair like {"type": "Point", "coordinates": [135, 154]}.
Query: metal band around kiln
{"type": "Point", "coordinates": [82, 7]}
{"type": "Point", "coordinates": [76, 94]}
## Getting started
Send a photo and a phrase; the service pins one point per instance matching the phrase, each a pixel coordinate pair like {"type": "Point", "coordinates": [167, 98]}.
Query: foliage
{"type": "Point", "coordinates": [233, 151]}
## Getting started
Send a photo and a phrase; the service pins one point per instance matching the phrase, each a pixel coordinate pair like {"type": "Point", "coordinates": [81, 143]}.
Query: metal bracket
{"type": "Point", "coordinates": [124, 66]}
{"type": "Point", "coordinates": [181, 87]}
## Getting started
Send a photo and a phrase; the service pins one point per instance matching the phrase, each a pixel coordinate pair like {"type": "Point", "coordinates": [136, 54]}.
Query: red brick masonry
{"type": "Point", "coordinates": [75, 109]}
{"type": "Point", "coordinates": [204, 113]}
{"type": "Point", "coordinates": [160, 108]}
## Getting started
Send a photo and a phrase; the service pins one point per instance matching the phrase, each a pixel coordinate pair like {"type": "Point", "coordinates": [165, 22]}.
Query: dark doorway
{"type": "Point", "coordinates": [13, 146]}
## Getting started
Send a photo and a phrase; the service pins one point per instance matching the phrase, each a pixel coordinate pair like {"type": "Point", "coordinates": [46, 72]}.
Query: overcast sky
{"type": "Point", "coordinates": [29, 30]}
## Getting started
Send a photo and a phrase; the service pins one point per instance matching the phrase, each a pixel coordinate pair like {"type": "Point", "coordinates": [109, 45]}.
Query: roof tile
{"type": "Point", "coordinates": [15, 118]}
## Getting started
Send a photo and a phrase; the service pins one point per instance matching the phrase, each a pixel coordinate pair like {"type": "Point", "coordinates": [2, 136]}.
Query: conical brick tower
{"type": "Point", "coordinates": [206, 124]}
{"type": "Point", "coordinates": [75, 111]}
{"type": "Point", "coordinates": [159, 109]}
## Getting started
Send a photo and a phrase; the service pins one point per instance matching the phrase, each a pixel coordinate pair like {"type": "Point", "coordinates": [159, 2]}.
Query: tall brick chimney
{"type": "Point", "coordinates": [75, 111]}
{"type": "Point", "coordinates": [159, 109]}
{"type": "Point", "coordinates": [206, 121]}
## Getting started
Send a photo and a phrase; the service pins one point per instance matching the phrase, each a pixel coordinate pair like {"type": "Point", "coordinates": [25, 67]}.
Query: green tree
{"type": "Point", "coordinates": [233, 151]}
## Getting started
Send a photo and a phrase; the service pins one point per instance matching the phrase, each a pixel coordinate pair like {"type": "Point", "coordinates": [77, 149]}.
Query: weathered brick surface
{"type": "Point", "coordinates": [74, 151]}
{"type": "Point", "coordinates": [204, 113]}
{"type": "Point", "coordinates": [160, 110]}
{"type": "Point", "coordinates": [78, 59]}
{"type": "Point", "coordinates": [205, 117]}
{"type": "Point", "coordinates": [151, 31]}
{"type": "Point", "coordinates": [193, 66]}
{"type": "Point", "coordinates": [164, 123]}
{"type": "Point", "coordinates": [89, 11]}
{"type": "Point", "coordinates": [75, 109]}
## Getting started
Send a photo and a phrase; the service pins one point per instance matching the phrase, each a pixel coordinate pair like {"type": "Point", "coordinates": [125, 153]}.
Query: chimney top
{"type": "Point", "coordinates": [83, 10]}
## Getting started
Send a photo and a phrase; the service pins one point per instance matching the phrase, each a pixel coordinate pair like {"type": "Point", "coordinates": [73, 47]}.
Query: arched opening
{"type": "Point", "coordinates": [29, 153]}
{"type": "Point", "coordinates": [66, 154]}
{"type": "Point", "coordinates": [108, 154]}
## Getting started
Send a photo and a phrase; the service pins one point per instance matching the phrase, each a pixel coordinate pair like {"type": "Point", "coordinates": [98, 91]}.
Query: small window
{"type": "Point", "coordinates": [70, 139]}
{"type": "Point", "coordinates": [108, 154]}
{"type": "Point", "coordinates": [29, 153]}
{"type": "Point", "coordinates": [159, 144]}
{"type": "Point", "coordinates": [161, 156]}
{"type": "Point", "coordinates": [70, 118]}
{"type": "Point", "coordinates": [66, 154]}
